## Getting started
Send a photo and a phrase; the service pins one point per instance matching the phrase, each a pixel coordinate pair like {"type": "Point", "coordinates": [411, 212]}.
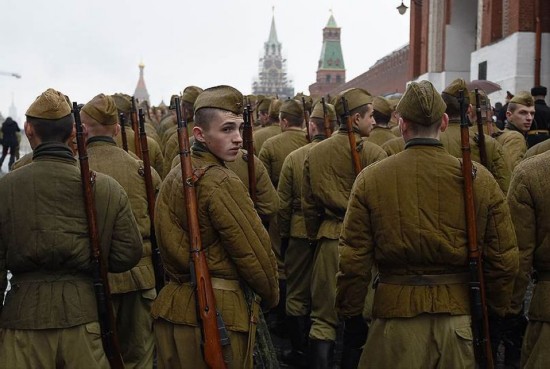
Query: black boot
{"type": "Point", "coordinates": [297, 328]}
{"type": "Point", "coordinates": [321, 353]}
{"type": "Point", "coordinates": [355, 336]}
{"type": "Point", "coordinates": [350, 357]}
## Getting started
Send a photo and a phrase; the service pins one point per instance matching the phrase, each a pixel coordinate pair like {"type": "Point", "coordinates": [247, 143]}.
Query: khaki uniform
{"type": "Point", "coordinates": [237, 251]}
{"type": "Point", "coordinates": [267, 199]}
{"type": "Point", "coordinates": [428, 237]}
{"type": "Point", "coordinates": [50, 313]}
{"type": "Point", "coordinates": [530, 208]}
{"type": "Point", "coordinates": [133, 291]}
{"type": "Point", "coordinates": [535, 150]}
{"type": "Point", "coordinates": [155, 154]}
{"type": "Point", "coordinates": [263, 134]}
{"type": "Point", "coordinates": [24, 160]}
{"type": "Point", "coordinates": [273, 154]}
{"type": "Point", "coordinates": [379, 135]}
{"type": "Point", "coordinates": [513, 144]}
{"type": "Point", "coordinates": [299, 255]}
{"type": "Point", "coordinates": [172, 148]}
{"type": "Point", "coordinates": [327, 182]}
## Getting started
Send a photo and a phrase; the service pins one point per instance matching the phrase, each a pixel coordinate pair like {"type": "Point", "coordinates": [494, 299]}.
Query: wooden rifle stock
{"type": "Point", "coordinates": [306, 118]}
{"type": "Point", "coordinates": [480, 132]}
{"type": "Point", "coordinates": [351, 136]}
{"type": "Point", "coordinates": [326, 120]}
{"type": "Point", "coordinates": [105, 313]}
{"type": "Point", "coordinates": [157, 262]}
{"type": "Point", "coordinates": [212, 328]}
{"type": "Point", "coordinates": [249, 147]}
{"type": "Point", "coordinates": [478, 303]}
{"type": "Point", "coordinates": [134, 120]}
{"type": "Point", "coordinates": [122, 120]}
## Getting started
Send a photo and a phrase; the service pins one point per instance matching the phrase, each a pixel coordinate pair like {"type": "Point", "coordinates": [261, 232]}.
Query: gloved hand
{"type": "Point", "coordinates": [284, 246]}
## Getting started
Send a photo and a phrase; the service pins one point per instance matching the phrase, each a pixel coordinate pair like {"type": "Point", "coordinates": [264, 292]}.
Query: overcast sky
{"type": "Point", "coordinates": [83, 48]}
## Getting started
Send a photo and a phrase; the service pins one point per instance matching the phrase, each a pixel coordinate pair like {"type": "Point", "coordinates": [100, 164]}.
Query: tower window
{"type": "Point", "coordinates": [328, 78]}
{"type": "Point", "coordinates": [482, 70]}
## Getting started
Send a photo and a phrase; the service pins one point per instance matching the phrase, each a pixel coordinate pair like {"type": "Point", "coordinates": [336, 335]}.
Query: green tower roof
{"type": "Point", "coordinates": [331, 53]}
{"type": "Point", "coordinates": [331, 22]}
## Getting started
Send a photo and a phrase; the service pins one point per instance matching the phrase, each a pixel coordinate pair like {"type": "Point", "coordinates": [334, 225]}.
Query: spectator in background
{"type": "Point", "coordinates": [9, 141]}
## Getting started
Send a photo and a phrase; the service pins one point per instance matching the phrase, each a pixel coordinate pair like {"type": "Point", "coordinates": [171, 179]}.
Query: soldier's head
{"type": "Point", "coordinates": [262, 109]}
{"type": "Point", "coordinates": [188, 98]}
{"type": "Point", "coordinates": [100, 117]}
{"type": "Point", "coordinates": [360, 107]}
{"type": "Point", "coordinates": [539, 92]}
{"type": "Point", "coordinates": [291, 114]}
{"type": "Point", "coordinates": [273, 112]}
{"type": "Point", "coordinates": [450, 97]}
{"type": "Point", "coordinates": [317, 119]}
{"type": "Point", "coordinates": [49, 119]}
{"type": "Point", "coordinates": [521, 111]}
{"type": "Point", "coordinates": [219, 121]}
{"type": "Point", "coordinates": [421, 112]}
{"type": "Point", "coordinates": [123, 104]}
{"type": "Point", "coordinates": [382, 111]}
{"type": "Point", "coordinates": [484, 104]}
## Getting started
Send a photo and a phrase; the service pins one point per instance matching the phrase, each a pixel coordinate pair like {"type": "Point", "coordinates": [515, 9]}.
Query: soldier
{"type": "Point", "coordinates": [133, 291]}
{"type": "Point", "coordinates": [421, 304]}
{"type": "Point", "coordinates": [297, 255]}
{"type": "Point", "coordinates": [519, 117]}
{"type": "Point", "coordinates": [50, 314]}
{"type": "Point", "coordinates": [542, 111]}
{"type": "Point", "coordinates": [124, 105]}
{"type": "Point", "coordinates": [327, 181]}
{"type": "Point", "coordinates": [381, 132]}
{"type": "Point", "coordinates": [537, 149]}
{"type": "Point", "coordinates": [171, 148]}
{"type": "Point", "coordinates": [272, 128]}
{"type": "Point", "coordinates": [530, 208]}
{"type": "Point", "coordinates": [239, 252]}
{"type": "Point", "coordinates": [262, 110]}
{"type": "Point", "coordinates": [450, 138]}
{"type": "Point", "coordinates": [9, 141]}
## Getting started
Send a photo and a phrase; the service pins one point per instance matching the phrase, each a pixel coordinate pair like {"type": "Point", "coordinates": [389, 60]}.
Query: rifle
{"type": "Point", "coordinates": [326, 123]}
{"type": "Point", "coordinates": [157, 262]}
{"type": "Point", "coordinates": [306, 118]}
{"type": "Point", "coordinates": [105, 313]}
{"type": "Point", "coordinates": [122, 119]}
{"type": "Point", "coordinates": [213, 332]}
{"type": "Point", "coordinates": [478, 303]}
{"type": "Point", "coordinates": [249, 147]}
{"type": "Point", "coordinates": [351, 136]}
{"type": "Point", "coordinates": [480, 133]}
{"type": "Point", "coordinates": [134, 120]}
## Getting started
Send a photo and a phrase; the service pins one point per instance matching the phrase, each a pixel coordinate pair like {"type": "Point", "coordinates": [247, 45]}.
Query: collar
{"type": "Point", "coordinates": [105, 139]}
{"type": "Point", "coordinates": [53, 150]}
{"type": "Point", "coordinates": [511, 127]}
{"type": "Point", "coordinates": [423, 141]}
{"type": "Point", "coordinates": [318, 138]}
{"type": "Point", "coordinates": [199, 150]}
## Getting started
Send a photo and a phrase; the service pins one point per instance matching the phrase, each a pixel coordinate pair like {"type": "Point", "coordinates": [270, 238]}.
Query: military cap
{"type": "Point", "coordinates": [103, 109]}
{"type": "Point", "coordinates": [292, 107]}
{"type": "Point", "coordinates": [382, 105]}
{"type": "Point", "coordinates": [172, 105]}
{"type": "Point", "coordinates": [421, 104]}
{"type": "Point", "coordinates": [538, 91]}
{"type": "Point", "coordinates": [263, 104]}
{"type": "Point", "coordinates": [274, 107]}
{"type": "Point", "coordinates": [483, 98]}
{"type": "Point", "coordinates": [318, 111]}
{"type": "Point", "coordinates": [355, 97]}
{"type": "Point", "coordinates": [509, 95]}
{"type": "Point", "coordinates": [51, 104]}
{"type": "Point", "coordinates": [455, 86]}
{"type": "Point", "coordinates": [190, 94]}
{"type": "Point", "coordinates": [308, 100]}
{"type": "Point", "coordinates": [221, 97]}
{"type": "Point", "coordinates": [523, 98]}
{"type": "Point", "coordinates": [123, 102]}
{"type": "Point", "coordinates": [393, 103]}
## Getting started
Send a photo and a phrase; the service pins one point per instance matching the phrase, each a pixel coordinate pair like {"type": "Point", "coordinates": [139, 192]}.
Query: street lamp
{"type": "Point", "coordinates": [402, 9]}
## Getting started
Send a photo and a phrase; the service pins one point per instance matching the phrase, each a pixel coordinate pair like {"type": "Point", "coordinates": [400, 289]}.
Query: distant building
{"type": "Point", "coordinates": [331, 71]}
{"type": "Point", "coordinates": [141, 90]}
{"type": "Point", "coordinates": [272, 77]}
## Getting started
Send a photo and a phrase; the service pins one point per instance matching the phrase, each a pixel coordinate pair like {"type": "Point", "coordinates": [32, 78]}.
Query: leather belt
{"type": "Point", "coordinates": [217, 283]}
{"type": "Point", "coordinates": [538, 132]}
{"type": "Point", "coordinates": [424, 279]}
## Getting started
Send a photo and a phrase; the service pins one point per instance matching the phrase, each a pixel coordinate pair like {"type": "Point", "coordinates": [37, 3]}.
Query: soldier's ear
{"type": "Point", "coordinates": [444, 122]}
{"type": "Point", "coordinates": [198, 133]}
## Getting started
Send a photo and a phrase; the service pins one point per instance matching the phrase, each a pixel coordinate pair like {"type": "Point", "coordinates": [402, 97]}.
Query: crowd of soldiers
{"type": "Point", "coordinates": [370, 241]}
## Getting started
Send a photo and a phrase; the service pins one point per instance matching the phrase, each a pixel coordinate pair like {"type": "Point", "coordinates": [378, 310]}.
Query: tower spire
{"type": "Point", "coordinates": [141, 90]}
